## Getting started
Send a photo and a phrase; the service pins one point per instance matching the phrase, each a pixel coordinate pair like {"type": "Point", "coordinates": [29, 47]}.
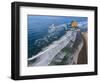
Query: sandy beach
{"type": "Point", "coordinates": [82, 58]}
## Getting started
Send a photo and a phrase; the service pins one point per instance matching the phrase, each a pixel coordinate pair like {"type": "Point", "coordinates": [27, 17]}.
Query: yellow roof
{"type": "Point", "coordinates": [74, 24]}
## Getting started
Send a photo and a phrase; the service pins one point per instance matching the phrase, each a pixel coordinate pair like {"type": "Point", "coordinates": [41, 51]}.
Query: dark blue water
{"type": "Point", "coordinates": [40, 34]}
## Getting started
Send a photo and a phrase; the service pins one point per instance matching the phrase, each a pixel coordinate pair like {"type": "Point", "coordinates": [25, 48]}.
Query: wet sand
{"type": "Point", "coordinates": [82, 58]}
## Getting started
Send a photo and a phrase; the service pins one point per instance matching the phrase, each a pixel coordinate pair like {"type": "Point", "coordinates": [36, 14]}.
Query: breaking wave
{"type": "Point", "coordinates": [83, 26]}
{"type": "Point", "coordinates": [54, 33]}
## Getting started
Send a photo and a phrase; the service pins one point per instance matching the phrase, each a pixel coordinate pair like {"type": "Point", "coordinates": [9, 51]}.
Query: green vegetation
{"type": "Point", "coordinates": [61, 58]}
{"type": "Point", "coordinates": [66, 50]}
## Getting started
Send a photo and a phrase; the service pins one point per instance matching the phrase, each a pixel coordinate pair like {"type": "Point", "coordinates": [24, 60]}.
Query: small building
{"type": "Point", "coordinates": [74, 24]}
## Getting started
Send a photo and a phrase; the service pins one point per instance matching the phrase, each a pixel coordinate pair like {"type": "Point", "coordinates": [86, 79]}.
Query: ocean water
{"type": "Point", "coordinates": [43, 30]}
